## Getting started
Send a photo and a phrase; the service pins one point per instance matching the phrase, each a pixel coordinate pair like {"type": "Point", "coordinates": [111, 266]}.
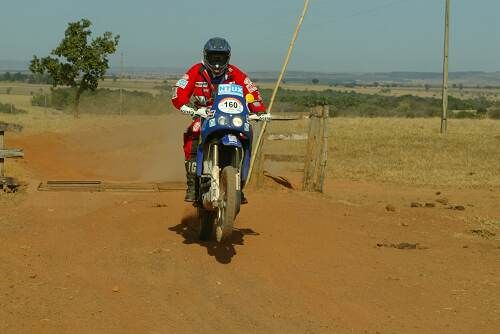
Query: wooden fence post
{"type": "Point", "coordinates": [317, 150]}
{"type": "Point", "coordinates": [324, 148]}
{"type": "Point", "coordinates": [312, 150]}
{"type": "Point", "coordinates": [7, 153]}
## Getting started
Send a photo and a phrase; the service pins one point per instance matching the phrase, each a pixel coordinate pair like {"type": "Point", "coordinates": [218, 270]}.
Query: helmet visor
{"type": "Point", "coordinates": [217, 59]}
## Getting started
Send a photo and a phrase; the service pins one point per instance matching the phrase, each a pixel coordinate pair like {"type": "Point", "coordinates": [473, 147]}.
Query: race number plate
{"type": "Point", "coordinates": [230, 105]}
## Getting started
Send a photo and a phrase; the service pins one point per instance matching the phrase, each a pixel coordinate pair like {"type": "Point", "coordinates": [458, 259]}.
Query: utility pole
{"type": "Point", "coordinates": [121, 88]}
{"type": "Point", "coordinates": [444, 117]}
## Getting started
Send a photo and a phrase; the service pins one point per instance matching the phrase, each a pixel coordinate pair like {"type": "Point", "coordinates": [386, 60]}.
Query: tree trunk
{"type": "Point", "coordinates": [79, 92]}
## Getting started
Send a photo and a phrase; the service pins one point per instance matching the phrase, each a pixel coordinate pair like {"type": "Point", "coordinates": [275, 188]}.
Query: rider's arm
{"type": "Point", "coordinates": [250, 88]}
{"type": "Point", "coordinates": [184, 89]}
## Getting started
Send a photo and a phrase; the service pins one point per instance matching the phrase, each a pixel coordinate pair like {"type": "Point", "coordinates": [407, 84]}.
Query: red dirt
{"type": "Point", "coordinates": [298, 263]}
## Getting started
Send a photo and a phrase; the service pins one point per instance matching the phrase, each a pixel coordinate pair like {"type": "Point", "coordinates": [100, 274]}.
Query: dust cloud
{"type": "Point", "coordinates": [137, 149]}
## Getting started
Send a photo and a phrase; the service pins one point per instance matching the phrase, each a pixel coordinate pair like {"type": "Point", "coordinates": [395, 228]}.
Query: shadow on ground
{"type": "Point", "coordinates": [223, 253]}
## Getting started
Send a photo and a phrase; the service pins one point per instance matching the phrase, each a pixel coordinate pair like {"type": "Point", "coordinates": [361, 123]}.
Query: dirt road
{"type": "Point", "coordinates": [344, 262]}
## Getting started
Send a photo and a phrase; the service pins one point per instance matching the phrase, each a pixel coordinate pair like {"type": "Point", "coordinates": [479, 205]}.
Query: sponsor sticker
{"type": "Point", "coordinates": [247, 127]}
{"type": "Point", "coordinates": [201, 84]}
{"type": "Point", "coordinates": [230, 90]}
{"type": "Point", "coordinates": [232, 138]}
{"type": "Point", "coordinates": [250, 85]}
{"type": "Point", "coordinates": [252, 88]}
{"type": "Point", "coordinates": [211, 122]}
{"type": "Point", "coordinates": [182, 83]}
{"type": "Point", "coordinates": [230, 105]}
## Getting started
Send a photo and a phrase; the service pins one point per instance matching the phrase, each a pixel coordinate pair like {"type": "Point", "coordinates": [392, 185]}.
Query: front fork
{"type": "Point", "coordinates": [211, 198]}
{"type": "Point", "coordinates": [211, 167]}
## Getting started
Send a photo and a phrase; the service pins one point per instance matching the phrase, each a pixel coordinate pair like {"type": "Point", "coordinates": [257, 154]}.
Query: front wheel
{"type": "Point", "coordinates": [206, 221]}
{"type": "Point", "coordinates": [229, 196]}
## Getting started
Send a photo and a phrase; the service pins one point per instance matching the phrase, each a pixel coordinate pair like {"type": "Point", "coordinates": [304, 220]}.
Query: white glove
{"type": "Point", "coordinates": [265, 117]}
{"type": "Point", "coordinates": [253, 117]}
{"type": "Point", "coordinates": [186, 110]}
{"type": "Point", "coordinates": [202, 112]}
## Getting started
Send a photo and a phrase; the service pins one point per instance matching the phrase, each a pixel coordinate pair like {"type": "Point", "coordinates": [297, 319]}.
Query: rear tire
{"type": "Point", "coordinates": [229, 204]}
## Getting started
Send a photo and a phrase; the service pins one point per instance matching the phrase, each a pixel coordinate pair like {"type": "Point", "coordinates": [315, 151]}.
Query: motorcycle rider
{"type": "Point", "coordinates": [198, 87]}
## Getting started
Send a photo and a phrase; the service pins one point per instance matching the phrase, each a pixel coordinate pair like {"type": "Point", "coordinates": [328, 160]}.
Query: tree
{"type": "Point", "coordinates": [315, 81]}
{"type": "Point", "coordinates": [78, 62]}
{"type": "Point", "coordinates": [18, 77]}
{"type": "Point", "coordinates": [427, 87]}
{"type": "Point", "coordinates": [8, 90]}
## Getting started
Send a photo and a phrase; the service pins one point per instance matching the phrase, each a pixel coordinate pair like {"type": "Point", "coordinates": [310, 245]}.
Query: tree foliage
{"type": "Point", "coordinates": [103, 101]}
{"type": "Point", "coordinates": [79, 61]}
{"type": "Point", "coordinates": [29, 78]}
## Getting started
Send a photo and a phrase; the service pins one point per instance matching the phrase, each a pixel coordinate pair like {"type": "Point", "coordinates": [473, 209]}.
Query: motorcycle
{"type": "Point", "coordinates": [223, 160]}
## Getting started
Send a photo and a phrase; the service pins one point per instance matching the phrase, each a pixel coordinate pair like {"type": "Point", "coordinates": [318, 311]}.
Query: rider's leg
{"type": "Point", "coordinates": [190, 148]}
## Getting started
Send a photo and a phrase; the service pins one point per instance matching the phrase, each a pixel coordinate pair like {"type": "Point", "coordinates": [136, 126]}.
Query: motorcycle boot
{"type": "Point", "coordinates": [190, 181]}
{"type": "Point", "coordinates": [244, 200]}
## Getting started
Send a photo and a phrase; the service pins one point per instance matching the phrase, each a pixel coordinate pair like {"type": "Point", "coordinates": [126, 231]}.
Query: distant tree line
{"type": "Point", "coordinates": [105, 101]}
{"type": "Point", "coordinates": [28, 78]}
{"type": "Point", "coordinates": [375, 105]}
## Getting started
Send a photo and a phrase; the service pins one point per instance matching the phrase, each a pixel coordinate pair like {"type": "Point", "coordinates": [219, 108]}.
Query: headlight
{"type": "Point", "coordinates": [222, 120]}
{"type": "Point", "coordinates": [237, 122]}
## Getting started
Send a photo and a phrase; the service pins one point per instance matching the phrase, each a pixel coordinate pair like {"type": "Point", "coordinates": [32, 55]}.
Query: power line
{"type": "Point", "coordinates": [370, 10]}
{"type": "Point", "coordinates": [377, 8]}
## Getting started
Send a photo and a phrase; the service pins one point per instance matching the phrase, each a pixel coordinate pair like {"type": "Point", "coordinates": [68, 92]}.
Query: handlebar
{"type": "Point", "coordinates": [202, 112]}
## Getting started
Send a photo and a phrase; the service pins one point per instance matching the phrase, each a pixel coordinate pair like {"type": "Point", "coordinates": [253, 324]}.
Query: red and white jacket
{"type": "Point", "coordinates": [197, 87]}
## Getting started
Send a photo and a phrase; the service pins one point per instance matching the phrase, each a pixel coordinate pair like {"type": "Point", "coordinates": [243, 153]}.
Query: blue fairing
{"type": "Point", "coordinates": [229, 124]}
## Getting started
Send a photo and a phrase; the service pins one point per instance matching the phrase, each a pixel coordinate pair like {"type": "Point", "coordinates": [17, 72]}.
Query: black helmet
{"type": "Point", "coordinates": [216, 55]}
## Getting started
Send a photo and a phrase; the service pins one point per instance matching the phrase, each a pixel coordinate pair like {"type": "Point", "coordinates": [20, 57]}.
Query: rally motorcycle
{"type": "Point", "coordinates": [223, 160]}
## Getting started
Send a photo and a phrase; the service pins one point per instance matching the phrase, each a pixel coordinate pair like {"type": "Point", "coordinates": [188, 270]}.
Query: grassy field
{"type": "Point", "coordinates": [398, 150]}
{"type": "Point", "coordinates": [407, 151]}
{"type": "Point", "coordinates": [395, 150]}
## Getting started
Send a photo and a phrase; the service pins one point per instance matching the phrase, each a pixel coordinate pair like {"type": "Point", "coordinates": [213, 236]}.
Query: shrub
{"type": "Point", "coordinates": [105, 101]}
{"type": "Point", "coordinates": [464, 114]}
{"type": "Point", "coordinates": [494, 114]}
{"type": "Point", "coordinates": [10, 109]}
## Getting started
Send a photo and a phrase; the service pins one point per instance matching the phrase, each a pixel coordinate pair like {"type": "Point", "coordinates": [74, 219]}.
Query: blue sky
{"type": "Point", "coordinates": [338, 35]}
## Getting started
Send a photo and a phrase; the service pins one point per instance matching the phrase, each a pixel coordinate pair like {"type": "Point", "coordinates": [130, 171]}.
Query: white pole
{"type": "Point", "coordinates": [444, 117]}
{"type": "Point", "coordinates": [121, 89]}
